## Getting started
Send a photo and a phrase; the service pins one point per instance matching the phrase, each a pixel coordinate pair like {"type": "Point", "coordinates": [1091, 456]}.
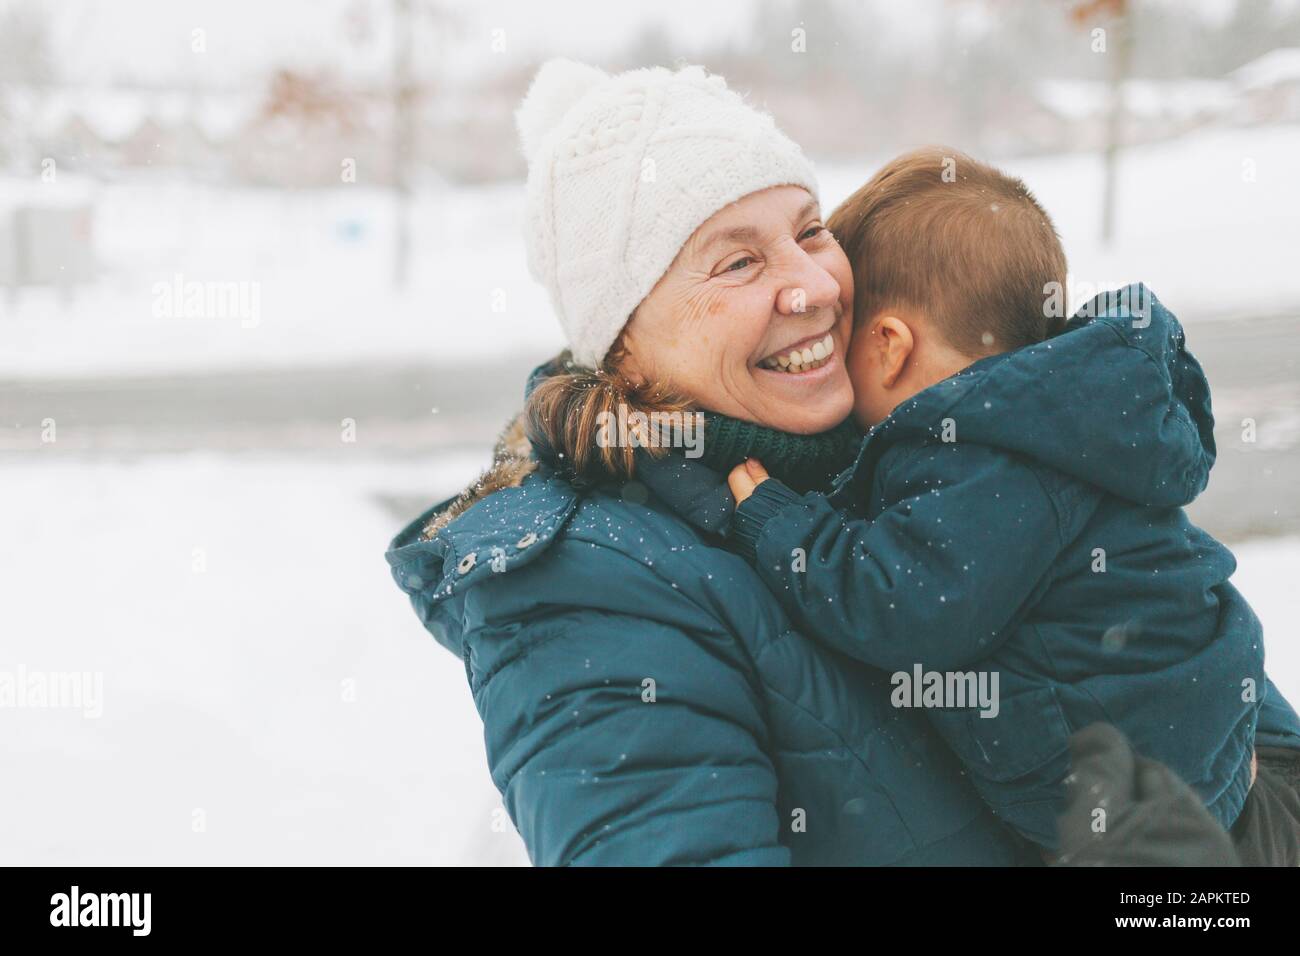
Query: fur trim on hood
{"type": "Point", "coordinates": [512, 461]}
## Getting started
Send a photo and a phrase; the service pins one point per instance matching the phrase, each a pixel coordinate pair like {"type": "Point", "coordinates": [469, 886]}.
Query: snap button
{"type": "Point", "coordinates": [526, 540]}
{"type": "Point", "coordinates": [466, 563]}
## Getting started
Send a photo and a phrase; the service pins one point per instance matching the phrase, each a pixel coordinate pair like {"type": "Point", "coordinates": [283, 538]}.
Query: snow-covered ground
{"type": "Point", "coordinates": [261, 673]}
{"type": "Point", "coordinates": [1209, 221]}
{"type": "Point", "coordinates": [1266, 572]}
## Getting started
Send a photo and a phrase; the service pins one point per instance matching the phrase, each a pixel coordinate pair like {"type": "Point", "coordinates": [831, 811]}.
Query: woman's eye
{"type": "Point", "coordinates": [811, 231]}
{"type": "Point", "coordinates": [742, 263]}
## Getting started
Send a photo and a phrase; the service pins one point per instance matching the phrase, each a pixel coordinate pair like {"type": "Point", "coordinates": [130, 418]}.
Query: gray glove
{"type": "Point", "coordinates": [1125, 810]}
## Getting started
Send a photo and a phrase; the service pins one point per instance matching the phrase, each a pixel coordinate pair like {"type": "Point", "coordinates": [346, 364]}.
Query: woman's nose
{"type": "Point", "coordinates": [810, 288]}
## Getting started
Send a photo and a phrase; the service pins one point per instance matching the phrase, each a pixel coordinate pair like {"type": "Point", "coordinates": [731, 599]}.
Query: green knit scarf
{"type": "Point", "coordinates": [804, 462]}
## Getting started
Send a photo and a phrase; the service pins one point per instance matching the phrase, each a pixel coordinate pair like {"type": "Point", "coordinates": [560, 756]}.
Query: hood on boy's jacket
{"type": "Point", "coordinates": [1115, 400]}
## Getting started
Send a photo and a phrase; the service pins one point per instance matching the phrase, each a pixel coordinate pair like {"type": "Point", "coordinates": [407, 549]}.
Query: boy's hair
{"type": "Point", "coordinates": [959, 241]}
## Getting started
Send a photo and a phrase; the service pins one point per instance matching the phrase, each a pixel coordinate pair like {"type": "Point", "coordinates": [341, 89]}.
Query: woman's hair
{"type": "Point", "coordinates": [570, 416]}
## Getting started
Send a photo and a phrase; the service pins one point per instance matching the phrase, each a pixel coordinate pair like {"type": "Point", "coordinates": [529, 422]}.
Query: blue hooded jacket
{"type": "Point", "coordinates": [1024, 518]}
{"type": "Point", "coordinates": [645, 699]}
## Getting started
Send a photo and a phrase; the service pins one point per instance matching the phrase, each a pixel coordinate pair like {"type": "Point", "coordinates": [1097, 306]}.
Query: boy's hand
{"type": "Point", "coordinates": [745, 477]}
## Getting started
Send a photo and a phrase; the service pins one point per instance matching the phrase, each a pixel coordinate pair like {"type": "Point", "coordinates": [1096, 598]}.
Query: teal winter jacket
{"type": "Point", "coordinates": [645, 699]}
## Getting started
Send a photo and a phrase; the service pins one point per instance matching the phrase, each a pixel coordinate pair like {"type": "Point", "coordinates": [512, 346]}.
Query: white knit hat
{"type": "Point", "coordinates": [621, 170]}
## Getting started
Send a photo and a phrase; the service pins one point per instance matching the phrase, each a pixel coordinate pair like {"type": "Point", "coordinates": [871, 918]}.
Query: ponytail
{"type": "Point", "coordinates": [567, 412]}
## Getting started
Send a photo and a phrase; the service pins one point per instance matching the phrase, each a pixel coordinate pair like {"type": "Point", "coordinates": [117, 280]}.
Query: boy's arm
{"type": "Point", "coordinates": [934, 579]}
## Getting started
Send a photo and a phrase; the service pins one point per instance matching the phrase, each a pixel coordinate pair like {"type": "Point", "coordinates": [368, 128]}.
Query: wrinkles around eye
{"type": "Point", "coordinates": [816, 234]}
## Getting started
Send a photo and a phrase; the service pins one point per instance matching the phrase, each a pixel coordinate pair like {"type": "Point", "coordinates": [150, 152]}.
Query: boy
{"type": "Point", "coordinates": [1016, 510]}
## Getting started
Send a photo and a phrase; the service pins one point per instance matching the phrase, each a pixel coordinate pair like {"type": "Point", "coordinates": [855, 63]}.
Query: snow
{"type": "Point", "coordinates": [1272, 69]}
{"type": "Point", "coordinates": [318, 262]}
{"type": "Point", "coordinates": [1208, 221]}
{"type": "Point", "coordinates": [73, 192]}
{"type": "Point", "coordinates": [1266, 574]}
{"type": "Point", "coordinates": [1183, 99]}
{"type": "Point", "coordinates": [224, 688]}
{"type": "Point", "coordinates": [114, 115]}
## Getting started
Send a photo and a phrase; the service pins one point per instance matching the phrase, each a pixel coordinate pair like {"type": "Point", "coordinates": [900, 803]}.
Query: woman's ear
{"type": "Point", "coordinates": [629, 363]}
{"type": "Point", "coordinates": [895, 348]}
{"type": "Point", "coordinates": [632, 370]}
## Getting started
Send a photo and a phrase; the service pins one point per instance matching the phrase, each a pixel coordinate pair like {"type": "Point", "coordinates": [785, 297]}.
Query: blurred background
{"type": "Point", "coordinates": [263, 298]}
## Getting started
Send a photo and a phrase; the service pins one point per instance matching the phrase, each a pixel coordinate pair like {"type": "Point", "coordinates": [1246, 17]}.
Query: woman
{"type": "Point", "coordinates": [644, 698]}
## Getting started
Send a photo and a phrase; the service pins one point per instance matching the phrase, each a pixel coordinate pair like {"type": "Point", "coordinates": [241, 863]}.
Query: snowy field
{"type": "Point", "coordinates": [284, 696]}
{"type": "Point", "coordinates": [1209, 221]}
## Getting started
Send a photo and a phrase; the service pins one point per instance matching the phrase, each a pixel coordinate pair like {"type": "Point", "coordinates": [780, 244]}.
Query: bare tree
{"type": "Point", "coordinates": [1119, 22]}
{"type": "Point", "coordinates": [25, 46]}
{"type": "Point", "coordinates": [403, 137]}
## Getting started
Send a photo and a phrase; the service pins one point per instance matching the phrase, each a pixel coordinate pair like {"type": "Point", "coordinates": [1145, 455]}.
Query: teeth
{"type": "Point", "coordinates": [802, 360]}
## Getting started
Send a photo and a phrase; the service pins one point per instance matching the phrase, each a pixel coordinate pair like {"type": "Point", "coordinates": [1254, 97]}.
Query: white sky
{"type": "Point", "coordinates": [150, 40]}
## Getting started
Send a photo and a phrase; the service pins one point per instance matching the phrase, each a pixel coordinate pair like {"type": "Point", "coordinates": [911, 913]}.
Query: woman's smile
{"type": "Point", "coordinates": [804, 356]}
{"type": "Point", "coordinates": [808, 376]}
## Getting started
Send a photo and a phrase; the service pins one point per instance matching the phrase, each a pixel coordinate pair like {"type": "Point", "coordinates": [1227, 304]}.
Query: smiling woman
{"type": "Point", "coordinates": [748, 322]}
{"type": "Point", "coordinates": [763, 294]}
{"type": "Point", "coordinates": [645, 699]}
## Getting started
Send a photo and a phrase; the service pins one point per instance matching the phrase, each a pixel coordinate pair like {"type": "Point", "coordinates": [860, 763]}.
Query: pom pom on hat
{"type": "Point", "coordinates": [558, 86]}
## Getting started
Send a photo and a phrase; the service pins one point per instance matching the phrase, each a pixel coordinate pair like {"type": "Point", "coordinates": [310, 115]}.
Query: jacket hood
{"type": "Point", "coordinates": [1114, 400]}
{"type": "Point", "coordinates": [453, 545]}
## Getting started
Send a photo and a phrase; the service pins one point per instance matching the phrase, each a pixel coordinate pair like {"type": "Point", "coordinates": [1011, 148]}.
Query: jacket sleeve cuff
{"type": "Point", "coordinates": [754, 513]}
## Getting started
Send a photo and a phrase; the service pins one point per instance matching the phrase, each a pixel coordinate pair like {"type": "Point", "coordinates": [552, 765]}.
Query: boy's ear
{"type": "Point", "coordinates": [894, 347]}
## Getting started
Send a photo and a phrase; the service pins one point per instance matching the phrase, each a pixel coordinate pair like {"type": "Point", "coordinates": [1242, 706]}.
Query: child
{"type": "Point", "coordinates": [1017, 506]}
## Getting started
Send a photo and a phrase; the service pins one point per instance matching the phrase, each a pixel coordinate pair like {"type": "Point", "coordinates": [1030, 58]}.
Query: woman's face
{"type": "Point", "coordinates": [753, 318]}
